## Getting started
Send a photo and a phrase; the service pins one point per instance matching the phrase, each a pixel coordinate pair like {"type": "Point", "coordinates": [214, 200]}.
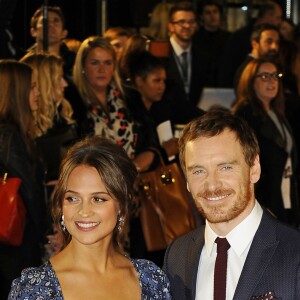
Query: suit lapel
{"type": "Point", "coordinates": [261, 251]}
{"type": "Point", "coordinates": [191, 268]}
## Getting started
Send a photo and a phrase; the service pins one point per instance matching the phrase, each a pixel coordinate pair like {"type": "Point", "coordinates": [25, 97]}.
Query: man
{"type": "Point", "coordinates": [57, 32]}
{"type": "Point", "coordinates": [239, 45]}
{"type": "Point", "coordinates": [265, 41]}
{"type": "Point", "coordinates": [219, 155]}
{"type": "Point", "coordinates": [211, 38]}
{"type": "Point", "coordinates": [185, 66]}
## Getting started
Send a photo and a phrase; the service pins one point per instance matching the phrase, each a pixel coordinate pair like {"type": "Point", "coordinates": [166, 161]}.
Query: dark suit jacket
{"type": "Point", "coordinates": [272, 264]}
{"type": "Point", "coordinates": [273, 158]}
{"type": "Point", "coordinates": [197, 75]}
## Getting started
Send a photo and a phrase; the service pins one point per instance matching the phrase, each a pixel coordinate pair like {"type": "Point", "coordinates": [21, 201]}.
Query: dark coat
{"type": "Point", "coordinates": [272, 264]}
{"type": "Point", "coordinates": [273, 158]}
{"type": "Point", "coordinates": [16, 160]}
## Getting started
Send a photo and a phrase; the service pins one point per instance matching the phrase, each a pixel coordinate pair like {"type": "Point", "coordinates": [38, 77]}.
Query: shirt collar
{"type": "Point", "coordinates": [241, 236]}
{"type": "Point", "coordinates": [177, 48]}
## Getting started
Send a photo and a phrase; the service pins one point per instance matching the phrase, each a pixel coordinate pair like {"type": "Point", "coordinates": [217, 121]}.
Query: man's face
{"type": "Point", "coordinates": [219, 179]}
{"type": "Point", "coordinates": [183, 25]}
{"type": "Point", "coordinates": [268, 44]}
{"type": "Point", "coordinates": [211, 17]}
{"type": "Point", "coordinates": [56, 31]}
{"type": "Point", "coordinates": [274, 17]}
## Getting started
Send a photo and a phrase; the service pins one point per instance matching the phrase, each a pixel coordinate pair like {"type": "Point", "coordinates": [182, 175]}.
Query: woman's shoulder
{"type": "Point", "coordinates": [153, 279]}
{"type": "Point", "coordinates": [36, 283]}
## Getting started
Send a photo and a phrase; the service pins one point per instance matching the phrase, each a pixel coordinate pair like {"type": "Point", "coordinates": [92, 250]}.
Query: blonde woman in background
{"type": "Point", "coordinates": [54, 115]}
{"type": "Point", "coordinates": [158, 25]}
{"type": "Point", "coordinates": [97, 80]}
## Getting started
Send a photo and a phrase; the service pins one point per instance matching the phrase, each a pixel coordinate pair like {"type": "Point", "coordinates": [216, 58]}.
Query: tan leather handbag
{"type": "Point", "coordinates": [166, 212]}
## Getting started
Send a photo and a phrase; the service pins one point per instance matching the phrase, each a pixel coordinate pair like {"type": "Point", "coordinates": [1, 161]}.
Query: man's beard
{"type": "Point", "coordinates": [219, 213]}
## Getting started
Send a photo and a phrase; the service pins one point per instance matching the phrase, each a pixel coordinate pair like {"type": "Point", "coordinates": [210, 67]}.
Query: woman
{"type": "Point", "coordinates": [149, 109]}
{"type": "Point", "coordinates": [91, 205]}
{"type": "Point", "coordinates": [97, 80]}
{"type": "Point", "coordinates": [54, 115]}
{"type": "Point", "coordinates": [19, 97]}
{"type": "Point", "coordinates": [260, 101]}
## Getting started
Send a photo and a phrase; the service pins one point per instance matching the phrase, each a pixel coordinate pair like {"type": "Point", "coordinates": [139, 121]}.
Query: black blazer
{"type": "Point", "coordinates": [273, 158]}
{"type": "Point", "coordinates": [197, 76]}
{"type": "Point", "coordinates": [272, 264]}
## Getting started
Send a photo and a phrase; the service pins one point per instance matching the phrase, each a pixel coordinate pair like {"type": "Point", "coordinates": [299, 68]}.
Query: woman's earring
{"type": "Point", "coordinates": [120, 223]}
{"type": "Point", "coordinates": [62, 223]}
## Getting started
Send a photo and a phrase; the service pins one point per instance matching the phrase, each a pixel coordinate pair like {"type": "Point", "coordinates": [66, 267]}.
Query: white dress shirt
{"type": "Point", "coordinates": [178, 50]}
{"type": "Point", "coordinates": [240, 239]}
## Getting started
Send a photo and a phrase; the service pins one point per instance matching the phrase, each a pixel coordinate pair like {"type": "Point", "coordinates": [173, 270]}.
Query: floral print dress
{"type": "Point", "coordinates": [117, 124]}
{"type": "Point", "coordinates": [42, 284]}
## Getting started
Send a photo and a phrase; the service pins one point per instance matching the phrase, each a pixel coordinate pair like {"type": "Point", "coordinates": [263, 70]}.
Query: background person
{"type": "Point", "coordinates": [90, 206]}
{"type": "Point", "coordinates": [98, 83]}
{"type": "Point", "coordinates": [260, 102]}
{"type": "Point", "coordinates": [19, 98]}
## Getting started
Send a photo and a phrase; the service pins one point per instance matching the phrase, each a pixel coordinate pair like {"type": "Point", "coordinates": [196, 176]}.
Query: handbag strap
{"type": "Point", "coordinates": [155, 150]}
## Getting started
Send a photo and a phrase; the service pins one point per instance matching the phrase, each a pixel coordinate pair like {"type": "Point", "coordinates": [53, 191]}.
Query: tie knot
{"type": "Point", "coordinates": [222, 245]}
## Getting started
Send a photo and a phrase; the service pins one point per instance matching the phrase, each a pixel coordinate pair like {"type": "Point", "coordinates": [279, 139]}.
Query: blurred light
{"type": "Point", "coordinates": [244, 8]}
{"type": "Point", "coordinates": [288, 9]}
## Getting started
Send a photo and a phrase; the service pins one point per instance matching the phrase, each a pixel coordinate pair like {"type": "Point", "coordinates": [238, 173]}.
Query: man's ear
{"type": "Point", "coordinates": [187, 186]}
{"type": "Point", "coordinates": [255, 170]}
{"type": "Point", "coordinates": [33, 32]}
{"type": "Point", "coordinates": [170, 27]}
{"type": "Point", "coordinates": [138, 81]}
{"type": "Point", "coordinates": [64, 34]}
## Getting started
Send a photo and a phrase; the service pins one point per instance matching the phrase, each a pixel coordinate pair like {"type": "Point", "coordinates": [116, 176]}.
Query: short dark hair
{"type": "Point", "coordinates": [55, 9]}
{"type": "Point", "coordinates": [259, 29]}
{"type": "Point", "coordinates": [205, 3]}
{"type": "Point", "coordinates": [143, 63]}
{"type": "Point", "coordinates": [182, 6]}
{"type": "Point", "coordinates": [266, 6]}
{"type": "Point", "coordinates": [115, 168]}
{"type": "Point", "coordinates": [214, 122]}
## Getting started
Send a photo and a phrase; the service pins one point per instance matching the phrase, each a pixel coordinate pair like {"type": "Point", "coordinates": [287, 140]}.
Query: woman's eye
{"type": "Point", "coordinates": [99, 199]}
{"type": "Point", "coordinates": [71, 199]}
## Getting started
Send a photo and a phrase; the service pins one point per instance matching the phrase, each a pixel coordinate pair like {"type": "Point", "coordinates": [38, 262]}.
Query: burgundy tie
{"type": "Point", "coordinates": [220, 269]}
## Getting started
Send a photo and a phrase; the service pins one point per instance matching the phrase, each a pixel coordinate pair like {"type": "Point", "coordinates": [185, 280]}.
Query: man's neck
{"type": "Point", "coordinates": [183, 44]}
{"type": "Point", "coordinates": [54, 48]}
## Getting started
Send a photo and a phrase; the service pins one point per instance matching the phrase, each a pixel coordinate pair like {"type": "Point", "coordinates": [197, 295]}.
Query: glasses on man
{"type": "Point", "coordinates": [181, 23]}
{"type": "Point", "coordinates": [265, 76]}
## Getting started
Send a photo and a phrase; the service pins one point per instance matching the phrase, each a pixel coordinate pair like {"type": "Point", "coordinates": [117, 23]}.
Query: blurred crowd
{"type": "Point", "coordinates": [123, 84]}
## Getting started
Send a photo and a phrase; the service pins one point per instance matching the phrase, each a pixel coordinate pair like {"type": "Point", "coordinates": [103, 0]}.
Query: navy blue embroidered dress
{"type": "Point", "coordinates": [42, 284]}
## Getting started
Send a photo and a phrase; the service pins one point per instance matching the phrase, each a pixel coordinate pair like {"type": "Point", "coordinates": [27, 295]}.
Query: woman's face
{"type": "Point", "coordinates": [89, 210]}
{"type": "Point", "coordinates": [153, 86]}
{"type": "Point", "coordinates": [99, 68]}
{"type": "Point", "coordinates": [266, 83]}
{"type": "Point", "coordinates": [61, 85]}
{"type": "Point", "coordinates": [34, 94]}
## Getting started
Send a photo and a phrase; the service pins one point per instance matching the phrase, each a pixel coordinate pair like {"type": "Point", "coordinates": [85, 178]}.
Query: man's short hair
{"type": "Point", "coordinates": [266, 7]}
{"type": "Point", "coordinates": [205, 3]}
{"type": "Point", "coordinates": [55, 9]}
{"type": "Point", "coordinates": [214, 122]}
{"type": "Point", "coordinates": [259, 29]}
{"type": "Point", "coordinates": [182, 6]}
